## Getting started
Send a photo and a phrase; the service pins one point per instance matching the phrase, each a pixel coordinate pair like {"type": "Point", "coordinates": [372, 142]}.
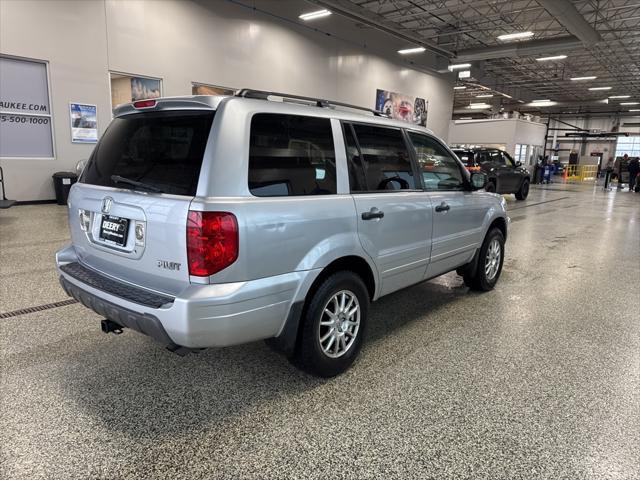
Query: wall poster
{"type": "Point", "coordinates": [84, 123]}
{"type": "Point", "coordinates": [402, 107]}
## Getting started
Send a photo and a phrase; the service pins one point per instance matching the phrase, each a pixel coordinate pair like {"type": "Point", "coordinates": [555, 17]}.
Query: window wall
{"type": "Point", "coordinates": [629, 145]}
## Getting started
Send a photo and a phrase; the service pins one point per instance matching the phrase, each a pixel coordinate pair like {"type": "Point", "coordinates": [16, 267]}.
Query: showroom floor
{"type": "Point", "coordinates": [538, 379]}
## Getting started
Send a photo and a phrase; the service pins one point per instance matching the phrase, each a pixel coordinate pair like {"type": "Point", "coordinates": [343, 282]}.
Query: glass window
{"type": "Point", "coordinates": [629, 145]}
{"type": "Point", "coordinates": [440, 170]}
{"type": "Point", "coordinates": [357, 182]}
{"type": "Point", "coordinates": [495, 156]}
{"type": "Point", "coordinates": [506, 158]}
{"type": "Point", "coordinates": [163, 150]}
{"type": "Point", "coordinates": [383, 155]}
{"type": "Point", "coordinates": [291, 155]}
{"type": "Point", "coordinates": [25, 113]}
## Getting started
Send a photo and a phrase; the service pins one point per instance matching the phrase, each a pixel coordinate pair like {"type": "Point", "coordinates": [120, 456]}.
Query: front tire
{"type": "Point", "coordinates": [490, 260]}
{"type": "Point", "coordinates": [524, 190]}
{"type": "Point", "coordinates": [333, 325]}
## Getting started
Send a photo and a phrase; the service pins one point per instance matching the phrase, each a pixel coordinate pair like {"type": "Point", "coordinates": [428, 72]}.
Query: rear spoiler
{"type": "Point", "coordinates": [195, 102]}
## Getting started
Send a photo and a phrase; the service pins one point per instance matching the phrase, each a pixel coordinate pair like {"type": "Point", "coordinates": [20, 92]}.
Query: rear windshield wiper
{"type": "Point", "coordinates": [135, 183]}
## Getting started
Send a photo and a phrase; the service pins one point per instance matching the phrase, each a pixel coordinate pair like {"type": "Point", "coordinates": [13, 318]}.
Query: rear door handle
{"type": "Point", "coordinates": [443, 207]}
{"type": "Point", "coordinates": [371, 214]}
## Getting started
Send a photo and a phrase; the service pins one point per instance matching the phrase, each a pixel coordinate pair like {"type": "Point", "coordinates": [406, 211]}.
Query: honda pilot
{"type": "Point", "coordinates": [208, 221]}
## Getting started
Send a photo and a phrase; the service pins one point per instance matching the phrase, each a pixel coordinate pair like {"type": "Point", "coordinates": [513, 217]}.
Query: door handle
{"type": "Point", "coordinates": [443, 207]}
{"type": "Point", "coordinates": [371, 214]}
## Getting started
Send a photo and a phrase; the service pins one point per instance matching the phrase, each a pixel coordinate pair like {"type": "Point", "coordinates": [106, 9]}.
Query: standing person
{"type": "Point", "coordinates": [608, 170]}
{"type": "Point", "coordinates": [616, 171]}
{"type": "Point", "coordinates": [634, 169]}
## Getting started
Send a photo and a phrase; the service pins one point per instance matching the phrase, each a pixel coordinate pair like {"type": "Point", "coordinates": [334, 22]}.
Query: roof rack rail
{"type": "Point", "coordinates": [319, 102]}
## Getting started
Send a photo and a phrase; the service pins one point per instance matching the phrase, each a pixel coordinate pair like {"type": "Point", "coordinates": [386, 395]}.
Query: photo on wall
{"type": "Point", "coordinates": [84, 123]}
{"type": "Point", "coordinates": [144, 88]}
{"type": "Point", "coordinates": [203, 89]}
{"type": "Point", "coordinates": [402, 107]}
{"type": "Point", "coordinates": [127, 88]}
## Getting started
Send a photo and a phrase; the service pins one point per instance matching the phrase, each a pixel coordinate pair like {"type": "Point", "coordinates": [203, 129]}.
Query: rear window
{"type": "Point", "coordinates": [162, 150]}
{"type": "Point", "coordinates": [291, 155]}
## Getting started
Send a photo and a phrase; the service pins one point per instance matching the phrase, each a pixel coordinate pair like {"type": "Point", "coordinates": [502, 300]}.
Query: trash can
{"type": "Point", "coordinates": [62, 182]}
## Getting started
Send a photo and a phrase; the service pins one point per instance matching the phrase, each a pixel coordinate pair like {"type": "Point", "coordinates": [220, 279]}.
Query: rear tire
{"type": "Point", "coordinates": [490, 187]}
{"type": "Point", "coordinates": [524, 190]}
{"type": "Point", "coordinates": [490, 260]}
{"type": "Point", "coordinates": [333, 325]}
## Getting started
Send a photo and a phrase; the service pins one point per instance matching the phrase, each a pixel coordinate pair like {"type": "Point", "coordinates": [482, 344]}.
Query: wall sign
{"type": "Point", "coordinates": [84, 123]}
{"type": "Point", "coordinates": [402, 107]}
{"type": "Point", "coordinates": [25, 111]}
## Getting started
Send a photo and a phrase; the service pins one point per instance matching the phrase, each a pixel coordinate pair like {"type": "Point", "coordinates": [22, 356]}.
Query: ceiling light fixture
{"type": "Point", "coordinates": [407, 51]}
{"type": "Point", "coordinates": [590, 77]}
{"type": "Point", "coordinates": [313, 15]}
{"type": "Point", "coordinates": [634, 109]}
{"type": "Point", "coordinates": [459, 88]}
{"type": "Point", "coordinates": [620, 96]}
{"type": "Point", "coordinates": [515, 36]}
{"type": "Point", "coordinates": [458, 66]}
{"type": "Point", "coordinates": [629, 103]}
{"type": "Point", "coordinates": [600, 88]}
{"type": "Point", "coordinates": [543, 103]}
{"type": "Point", "coordinates": [542, 100]}
{"type": "Point", "coordinates": [505, 95]}
{"type": "Point", "coordinates": [485, 95]}
{"type": "Point", "coordinates": [555, 57]}
{"type": "Point", "coordinates": [479, 106]}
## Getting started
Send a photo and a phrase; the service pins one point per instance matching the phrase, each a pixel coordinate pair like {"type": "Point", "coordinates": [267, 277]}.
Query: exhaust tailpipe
{"type": "Point", "coordinates": [109, 326]}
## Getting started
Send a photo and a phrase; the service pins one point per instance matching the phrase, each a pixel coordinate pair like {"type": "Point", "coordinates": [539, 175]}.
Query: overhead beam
{"type": "Point", "coordinates": [568, 16]}
{"type": "Point", "coordinates": [520, 49]}
{"type": "Point", "coordinates": [349, 10]}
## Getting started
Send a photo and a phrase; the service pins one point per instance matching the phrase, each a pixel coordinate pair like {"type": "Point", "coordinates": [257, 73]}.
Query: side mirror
{"type": "Point", "coordinates": [518, 163]}
{"type": "Point", "coordinates": [478, 180]}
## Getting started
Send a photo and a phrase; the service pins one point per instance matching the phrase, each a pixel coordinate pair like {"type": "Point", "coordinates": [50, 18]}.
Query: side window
{"type": "Point", "coordinates": [383, 157]}
{"type": "Point", "coordinates": [495, 156]}
{"type": "Point", "coordinates": [508, 161]}
{"type": "Point", "coordinates": [440, 170]}
{"type": "Point", "coordinates": [291, 155]}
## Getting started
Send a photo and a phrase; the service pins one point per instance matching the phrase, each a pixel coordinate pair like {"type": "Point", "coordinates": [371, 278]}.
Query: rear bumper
{"type": "Point", "coordinates": [201, 315]}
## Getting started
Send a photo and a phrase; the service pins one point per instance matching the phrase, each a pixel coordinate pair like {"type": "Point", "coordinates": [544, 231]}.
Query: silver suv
{"type": "Point", "coordinates": [209, 221]}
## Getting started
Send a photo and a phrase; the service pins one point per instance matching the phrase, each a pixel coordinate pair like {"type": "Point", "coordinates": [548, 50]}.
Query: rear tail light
{"type": "Point", "coordinates": [144, 104]}
{"type": "Point", "coordinates": [212, 242]}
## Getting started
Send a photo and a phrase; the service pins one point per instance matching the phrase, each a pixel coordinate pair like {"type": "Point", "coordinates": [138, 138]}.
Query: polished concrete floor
{"type": "Point", "coordinates": [539, 378]}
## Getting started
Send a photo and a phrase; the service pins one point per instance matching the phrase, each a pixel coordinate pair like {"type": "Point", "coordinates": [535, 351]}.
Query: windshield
{"type": "Point", "coordinates": [162, 150]}
{"type": "Point", "coordinates": [465, 157]}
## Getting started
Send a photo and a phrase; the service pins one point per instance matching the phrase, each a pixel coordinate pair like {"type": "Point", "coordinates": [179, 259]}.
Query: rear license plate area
{"type": "Point", "coordinates": [114, 230]}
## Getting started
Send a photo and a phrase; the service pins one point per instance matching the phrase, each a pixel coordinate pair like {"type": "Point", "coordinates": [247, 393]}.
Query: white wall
{"type": "Point", "coordinates": [508, 132]}
{"type": "Point", "coordinates": [182, 42]}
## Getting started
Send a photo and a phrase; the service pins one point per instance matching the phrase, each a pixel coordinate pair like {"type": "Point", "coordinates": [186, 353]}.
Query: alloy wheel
{"type": "Point", "coordinates": [339, 324]}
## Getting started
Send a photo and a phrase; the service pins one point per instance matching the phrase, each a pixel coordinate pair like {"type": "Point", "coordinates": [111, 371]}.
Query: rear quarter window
{"type": "Point", "coordinates": [291, 155]}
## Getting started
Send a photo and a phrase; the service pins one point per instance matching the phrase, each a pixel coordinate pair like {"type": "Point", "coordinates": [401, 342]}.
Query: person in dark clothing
{"type": "Point", "coordinates": [634, 169]}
